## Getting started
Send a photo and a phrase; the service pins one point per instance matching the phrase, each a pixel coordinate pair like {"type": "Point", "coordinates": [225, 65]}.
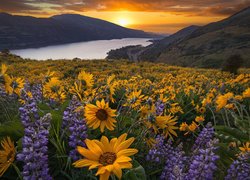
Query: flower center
{"type": "Point", "coordinates": [54, 89]}
{"type": "Point", "coordinates": [14, 84]}
{"type": "Point", "coordinates": [102, 114]}
{"type": "Point", "coordinates": [107, 158]}
{"type": "Point", "coordinates": [84, 83]}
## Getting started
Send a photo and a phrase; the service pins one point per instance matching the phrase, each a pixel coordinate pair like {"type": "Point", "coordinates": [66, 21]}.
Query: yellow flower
{"type": "Point", "coordinates": [246, 93]}
{"type": "Point", "coordinates": [192, 127]}
{"type": "Point", "coordinates": [81, 92]}
{"type": "Point", "coordinates": [134, 99]}
{"type": "Point", "coordinates": [3, 69]}
{"type": "Point", "coordinates": [156, 122]}
{"type": "Point", "coordinates": [245, 148]}
{"type": "Point", "coordinates": [48, 76]}
{"type": "Point", "coordinates": [238, 97]}
{"type": "Point", "coordinates": [170, 125]}
{"type": "Point", "coordinates": [199, 119]}
{"type": "Point", "coordinates": [184, 126]}
{"type": "Point", "coordinates": [201, 110]}
{"type": "Point", "coordinates": [175, 108]}
{"type": "Point", "coordinates": [7, 155]}
{"type": "Point", "coordinates": [230, 106]}
{"type": "Point", "coordinates": [111, 86]}
{"type": "Point", "coordinates": [150, 142]}
{"type": "Point", "coordinates": [110, 157]}
{"type": "Point", "coordinates": [13, 85]}
{"type": "Point", "coordinates": [86, 79]}
{"type": "Point", "coordinates": [222, 100]}
{"type": "Point", "coordinates": [100, 115]}
{"type": "Point", "coordinates": [53, 89]}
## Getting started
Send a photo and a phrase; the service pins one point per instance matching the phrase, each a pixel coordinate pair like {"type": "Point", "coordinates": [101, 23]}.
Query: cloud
{"type": "Point", "coordinates": [16, 6]}
{"type": "Point", "coordinates": [183, 7]}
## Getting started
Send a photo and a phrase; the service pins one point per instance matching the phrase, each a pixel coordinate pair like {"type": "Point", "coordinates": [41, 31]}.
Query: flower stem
{"type": "Point", "coordinates": [17, 171]}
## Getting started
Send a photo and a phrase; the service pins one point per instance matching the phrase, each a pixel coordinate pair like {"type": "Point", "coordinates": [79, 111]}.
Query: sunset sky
{"type": "Point", "coordinates": [162, 16]}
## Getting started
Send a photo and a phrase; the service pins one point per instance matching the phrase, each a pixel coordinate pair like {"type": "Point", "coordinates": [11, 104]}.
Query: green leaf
{"type": "Point", "coordinates": [137, 173]}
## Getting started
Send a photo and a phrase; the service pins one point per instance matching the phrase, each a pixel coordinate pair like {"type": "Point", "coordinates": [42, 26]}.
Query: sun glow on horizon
{"type": "Point", "coordinates": [123, 22]}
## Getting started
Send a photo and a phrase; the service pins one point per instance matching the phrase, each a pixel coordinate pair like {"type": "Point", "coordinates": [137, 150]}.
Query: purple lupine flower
{"type": "Point", "coordinates": [73, 121]}
{"type": "Point", "coordinates": [159, 106]}
{"type": "Point", "coordinates": [34, 152]}
{"type": "Point", "coordinates": [174, 164]}
{"type": "Point", "coordinates": [203, 163]}
{"type": "Point", "coordinates": [173, 159]}
{"type": "Point", "coordinates": [205, 136]}
{"type": "Point", "coordinates": [240, 168]}
{"type": "Point", "coordinates": [157, 153]}
{"type": "Point", "coordinates": [36, 91]}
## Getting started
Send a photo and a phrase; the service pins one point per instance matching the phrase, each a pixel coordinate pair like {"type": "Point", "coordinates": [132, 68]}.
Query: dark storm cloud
{"type": "Point", "coordinates": [187, 7]}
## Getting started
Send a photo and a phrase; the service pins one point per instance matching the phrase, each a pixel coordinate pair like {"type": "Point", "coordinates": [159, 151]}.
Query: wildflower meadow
{"type": "Point", "coordinates": [74, 119]}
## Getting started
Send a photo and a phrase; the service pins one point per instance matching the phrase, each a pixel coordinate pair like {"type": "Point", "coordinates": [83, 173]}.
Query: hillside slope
{"type": "Point", "coordinates": [28, 32]}
{"type": "Point", "coordinates": [210, 45]}
{"type": "Point", "coordinates": [153, 51]}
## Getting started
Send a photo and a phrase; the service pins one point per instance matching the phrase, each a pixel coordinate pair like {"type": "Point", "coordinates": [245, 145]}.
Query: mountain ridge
{"type": "Point", "coordinates": [17, 32]}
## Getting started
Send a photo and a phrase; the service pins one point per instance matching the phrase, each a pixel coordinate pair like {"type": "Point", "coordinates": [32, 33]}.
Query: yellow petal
{"type": "Point", "coordinates": [92, 146]}
{"type": "Point", "coordinates": [84, 163]}
{"type": "Point", "coordinates": [125, 144]}
{"type": "Point", "coordinates": [105, 142]}
{"type": "Point", "coordinates": [87, 153]}
{"type": "Point", "coordinates": [117, 170]}
{"type": "Point", "coordinates": [123, 159]}
{"type": "Point", "coordinates": [102, 126]}
{"type": "Point", "coordinates": [101, 170]}
{"type": "Point", "coordinates": [125, 165]}
{"type": "Point", "coordinates": [105, 176]}
{"type": "Point", "coordinates": [120, 140]}
{"type": "Point", "coordinates": [127, 152]}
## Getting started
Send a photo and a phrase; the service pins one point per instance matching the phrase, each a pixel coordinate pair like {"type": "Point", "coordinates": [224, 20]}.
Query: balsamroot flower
{"type": "Point", "coordinates": [54, 90]}
{"type": "Point", "coordinates": [100, 115]}
{"type": "Point", "coordinates": [246, 93]}
{"type": "Point", "coordinates": [222, 100]}
{"type": "Point", "coordinates": [110, 157]}
{"type": "Point", "coordinates": [13, 85]}
{"type": "Point", "coordinates": [7, 154]}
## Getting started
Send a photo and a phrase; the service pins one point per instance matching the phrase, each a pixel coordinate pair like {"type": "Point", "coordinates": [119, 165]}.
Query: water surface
{"type": "Point", "coordinates": [84, 50]}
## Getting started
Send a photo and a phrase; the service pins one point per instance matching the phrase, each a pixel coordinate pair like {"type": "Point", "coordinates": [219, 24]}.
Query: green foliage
{"type": "Point", "coordinates": [136, 173]}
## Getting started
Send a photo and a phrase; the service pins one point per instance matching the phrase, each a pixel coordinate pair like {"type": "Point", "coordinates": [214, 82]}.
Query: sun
{"type": "Point", "coordinates": [123, 22]}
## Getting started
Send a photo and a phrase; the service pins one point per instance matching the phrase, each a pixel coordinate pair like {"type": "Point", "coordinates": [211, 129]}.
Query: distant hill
{"type": "Point", "coordinates": [210, 45]}
{"type": "Point", "coordinates": [205, 46]}
{"type": "Point", "coordinates": [151, 52]}
{"type": "Point", "coordinates": [28, 32]}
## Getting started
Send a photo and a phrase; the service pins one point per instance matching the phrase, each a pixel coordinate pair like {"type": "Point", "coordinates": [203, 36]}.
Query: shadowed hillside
{"type": "Point", "coordinates": [210, 45]}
